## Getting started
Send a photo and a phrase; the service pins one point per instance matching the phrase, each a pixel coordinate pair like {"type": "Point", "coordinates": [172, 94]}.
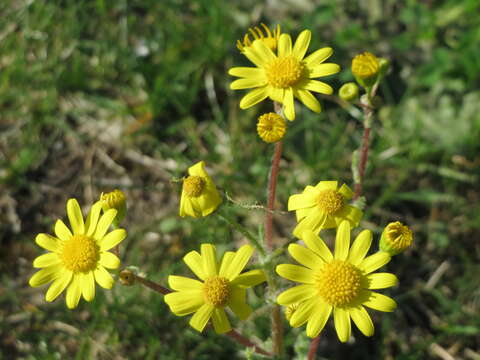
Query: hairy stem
{"type": "Point", "coordinates": [246, 342]}
{"type": "Point", "coordinates": [312, 351]}
{"type": "Point", "coordinates": [152, 285]}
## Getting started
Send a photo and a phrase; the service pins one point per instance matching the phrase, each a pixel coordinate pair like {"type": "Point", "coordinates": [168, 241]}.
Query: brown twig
{"type": "Point", "coordinates": [152, 285]}
{"type": "Point", "coordinates": [246, 342]}
{"type": "Point", "coordinates": [312, 351]}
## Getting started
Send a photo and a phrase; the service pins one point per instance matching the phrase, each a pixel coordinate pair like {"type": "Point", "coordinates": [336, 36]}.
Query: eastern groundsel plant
{"type": "Point", "coordinates": [341, 284]}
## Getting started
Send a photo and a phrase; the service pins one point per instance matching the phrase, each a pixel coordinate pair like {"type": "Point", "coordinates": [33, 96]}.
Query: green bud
{"type": "Point", "coordinates": [349, 91]}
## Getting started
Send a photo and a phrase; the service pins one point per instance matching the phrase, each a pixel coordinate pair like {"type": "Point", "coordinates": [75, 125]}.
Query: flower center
{"type": "Point", "coordinates": [80, 254]}
{"type": "Point", "coordinates": [330, 201]}
{"type": "Point", "coordinates": [216, 291]}
{"type": "Point", "coordinates": [194, 186]}
{"type": "Point", "coordinates": [338, 283]}
{"type": "Point", "coordinates": [113, 200]}
{"type": "Point", "coordinates": [271, 127]}
{"type": "Point", "coordinates": [284, 72]}
{"type": "Point", "coordinates": [399, 236]}
{"type": "Point", "coordinates": [365, 65]}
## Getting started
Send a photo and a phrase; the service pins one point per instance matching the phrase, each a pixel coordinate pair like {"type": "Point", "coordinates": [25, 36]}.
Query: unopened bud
{"type": "Point", "coordinates": [396, 238]}
{"type": "Point", "coordinates": [115, 200]}
{"type": "Point", "coordinates": [127, 277]}
{"type": "Point", "coordinates": [348, 91]}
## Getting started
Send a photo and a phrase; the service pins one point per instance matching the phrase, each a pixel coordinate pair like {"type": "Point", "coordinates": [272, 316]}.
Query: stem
{"type": "Point", "coordinates": [312, 352]}
{"type": "Point", "coordinates": [152, 285]}
{"type": "Point", "coordinates": [232, 333]}
{"type": "Point", "coordinates": [276, 321]}
{"type": "Point", "coordinates": [246, 342]}
{"type": "Point", "coordinates": [243, 231]}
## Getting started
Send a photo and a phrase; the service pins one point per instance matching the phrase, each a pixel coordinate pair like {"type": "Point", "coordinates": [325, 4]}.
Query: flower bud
{"type": "Point", "coordinates": [396, 238]}
{"type": "Point", "coordinates": [271, 127]}
{"type": "Point", "coordinates": [348, 91]}
{"type": "Point", "coordinates": [365, 68]}
{"type": "Point", "coordinates": [127, 277]}
{"type": "Point", "coordinates": [115, 200]}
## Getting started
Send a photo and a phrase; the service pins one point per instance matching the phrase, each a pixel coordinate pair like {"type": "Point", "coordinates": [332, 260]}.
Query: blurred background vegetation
{"type": "Point", "coordinates": [96, 95]}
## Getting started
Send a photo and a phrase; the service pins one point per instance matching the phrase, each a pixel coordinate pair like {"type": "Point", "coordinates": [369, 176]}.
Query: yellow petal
{"type": "Point", "coordinates": [186, 207]}
{"type": "Point", "coordinates": [363, 321]}
{"type": "Point", "coordinates": [201, 317]}
{"type": "Point", "coordinates": [249, 278]}
{"type": "Point", "coordinates": [195, 263]}
{"type": "Point", "coordinates": [263, 51]}
{"type": "Point", "coordinates": [342, 323]}
{"type": "Point", "coordinates": [318, 56]}
{"type": "Point", "coordinates": [45, 275]}
{"type": "Point", "coordinates": [104, 223]}
{"type": "Point", "coordinates": [381, 280]}
{"type": "Point", "coordinates": [103, 277]}
{"type": "Point", "coordinates": [209, 201]}
{"type": "Point", "coordinates": [318, 319]}
{"type": "Point", "coordinates": [360, 247]}
{"type": "Point", "coordinates": [296, 294]}
{"type": "Point", "coordinates": [74, 292]}
{"type": "Point", "coordinates": [209, 259]}
{"type": "Point", "coordinates": [303, 200]}
{"type": "Point", "coordinates": [92, 218]}
{"type": "Point", "coordinates": [324, 70]}
{"type": "Point", "coordinates": [182, 283]}
{"type": "Point", "coordinates": [112, 239]}
{"type": "Point", "coordinates": [346, 192]}
{"type": "Point", "coordinates": [317, 245]}
{"type": "Point", "coordinates": [304, 311]}
{"type": "Point", "coordinates": [305, 257]}
{"type": "Point", "coordinates": [314, 221]}
{"type": "Point", "coordinates": [248, 83]}
{"type": "Point", "coordinates": [350, 213]}
{"type": "Point", "coordinates": [247, 72]}
{"type": "Point", "coordinates": [75, 217]}
{"type": "Point", "coordinates": [342, 241]}
{"type": "Point", "coordinates": [220, 321]}
{"type": "Point", "coordinates": [225, 264]}
{"type": "Point", "coordinates": [62, 231]}
{"type": "Point", "coordinates": [58, 285]}
{"type": "Point", "coordinates": [254, 97]}
{"type": "Point", "coordinates": [318, 86]}
{"type": "Point", "coordinates": [184, 302]}
{"type": "Point", "coordinates": [284, 45]}
{"type": "Point", "coordinates": [253, 56]}
{"type": "Point", "coordinates": [47, 242]}
{"type": "Point", "coordinates": [374, 262]}
{"type": "Point", "coordinates": [242, 256]}
{"type": "Point", "coordinates": [109, 260]}
{"type": "Point", "coordinates": [379, 302]}
{"type": "Point", "coordinates": [87, 284]}
{"type": "Point", "coordinates": [288, 104]}
{"type": "Point", "coordinates": [296, 273]}
{"type": "Point", "coordinates": [45, 260]}
{"type": "Point", "coordinates": [301, 44]}
{"type": "Point", "coordinates": [326, 185]}
{"type": "Point", "coordinates": [237, 303]}
{"type": "Point", "coordinates": [308, 100]}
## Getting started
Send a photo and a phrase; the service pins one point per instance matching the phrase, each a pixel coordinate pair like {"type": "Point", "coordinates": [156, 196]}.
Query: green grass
{"type": "Point", "coordinates": [96, 95]}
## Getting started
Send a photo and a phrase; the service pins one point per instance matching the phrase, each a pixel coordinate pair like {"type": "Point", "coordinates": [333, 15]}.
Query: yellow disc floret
{"type": "Point", "coordinates": [194, 186]}
{"type": "Point", "coordinates": [80, 253]}
{"type": "Point", "coordinates": [271, 127]}
{"type": "Point", "coordinates": [338, 283]}
{"type": "Point", "coordinates": [330, 201]}
{"type": "Point", "coordinates": [284, 72]}
{"type": "Point", "coordinates": [216, 291]}
{"type": "Point", "coordinates": [396, 238]}
{"type": "Point", "coordinates": [365, 65]}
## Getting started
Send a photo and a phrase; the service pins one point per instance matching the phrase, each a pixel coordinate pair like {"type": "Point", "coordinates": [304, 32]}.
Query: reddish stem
{"type": "Point", "coordinates": [152, 285]}
{"type": "Point", "coordinates": [246, 342]}
{"type": "Point", "coordinates": [363, 161]}
{"type": "Point", "coordinates": [312, 352]}
{"type": "Point", "coordinates": [272, 186]}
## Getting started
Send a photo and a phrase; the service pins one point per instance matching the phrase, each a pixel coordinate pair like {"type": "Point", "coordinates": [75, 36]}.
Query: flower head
{"type": "Point", "coordinates": [396, 238]}
{"type": "Point", "coordinates": [322, 207]}
{"type": "Point", "coordinates": [348, 91]}
{"type": "Point", "coordinates": [271, 127]}
{"type": "Point", "coordinates": [270, 38]}
{"type": "Point", "coordinates": [78, 258]}
{"type": "Point", "coordinates": [199, 194]}
{"type": "Point", "coordinates": [365, 66]}
{"type": "Point", "coordinates": [341, 283]}
{"type": "Point", "coordinates": [117, 200]}
{"type": "Point", "coordinates": [286, 75]}
{"type": "Point", "coordinates": [222, 285]}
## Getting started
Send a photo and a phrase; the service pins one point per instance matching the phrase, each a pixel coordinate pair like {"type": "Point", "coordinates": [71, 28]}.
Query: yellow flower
{"type": "Point", "coordinates": [270, 39]}
{"type": "Point", "coordinates": [78, 258]}
{"type": "Point", "coordinates": [396, 238]}
{"type": "Point", "coordinates": [199, 194]}
{"type": "Point", "coordinates": [323, 207]}
{"type": "Point", "coordinates": [222, 285]}
{"type": "Point", "coordinates": [271, 127]}
{"type": "Point", "coordinates": [341, 283]}
{"type": "Point", "coordinates": [365, 66]}
{"type": "Point", "coordinates": [115, 200]}
{"type": "Point", "coordinates": [286, 75]}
